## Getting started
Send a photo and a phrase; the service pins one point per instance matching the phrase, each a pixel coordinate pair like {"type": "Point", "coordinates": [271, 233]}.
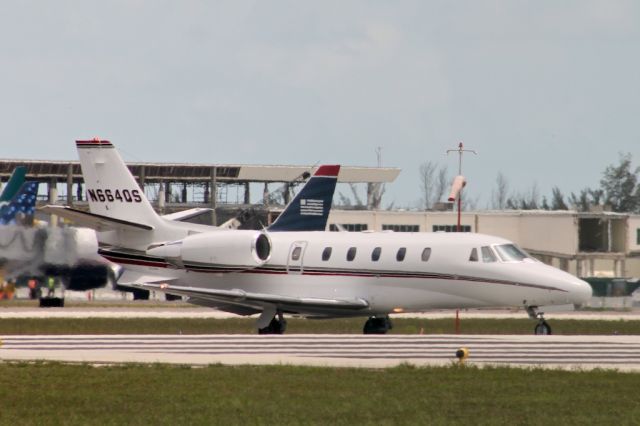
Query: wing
{"type": "Point", "coordinates": [258, 301]}
{"type": "Point", "coordinates": [136, 279]}
{"type": "Point", "coordinates": [94, 221]}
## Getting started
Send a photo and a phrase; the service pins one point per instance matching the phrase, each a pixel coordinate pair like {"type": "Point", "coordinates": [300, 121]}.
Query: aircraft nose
{"type": "Point", "coordinates": [580, 291]}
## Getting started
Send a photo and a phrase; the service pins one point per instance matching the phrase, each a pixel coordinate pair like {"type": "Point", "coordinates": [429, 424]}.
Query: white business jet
{"type": "Point", "coordinates": [311, 274]}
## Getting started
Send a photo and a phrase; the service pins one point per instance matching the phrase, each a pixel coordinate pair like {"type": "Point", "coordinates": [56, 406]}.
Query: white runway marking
{"type": "Point", "coordinates": [586, 352]}
{"type": "Point", "coordinates": [189, 312]}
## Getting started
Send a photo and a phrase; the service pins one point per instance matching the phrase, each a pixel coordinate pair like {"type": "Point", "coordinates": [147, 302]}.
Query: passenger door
{"type": "Point", "coordinates": [296, 257]}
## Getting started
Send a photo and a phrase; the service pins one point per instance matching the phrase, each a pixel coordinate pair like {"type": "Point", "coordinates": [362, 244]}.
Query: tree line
{"type": "Point", "coordinates": [619, 191]}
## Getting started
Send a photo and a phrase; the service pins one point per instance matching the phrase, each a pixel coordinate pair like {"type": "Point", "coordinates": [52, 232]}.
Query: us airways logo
{"type": "Point", "coordinates": [311, 207]}
{"type": "Point", "coordinates": [111, 195]}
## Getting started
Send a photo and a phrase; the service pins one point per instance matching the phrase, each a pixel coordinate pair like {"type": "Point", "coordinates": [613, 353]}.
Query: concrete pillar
{"type": "Point", "coordinates": [579, 268]}
{"type": "Point", "coordinates": [265, 194]}
{"type": "Point", "coordinates": [247, 193]}
{"type": "Point", "coordinates": [141, 178]}
{"type": "Point", "coordinates": [286, 195]}
{"type": "Point", "coordinates": [52, 191]}
{"type": "Point", "coordinates": [167, 192]}
{"type": "Point", "coordinates": [161, 197]}
{"type": "Point", "coordinates": [184, 192]}
{"type": "Point", "coordinates": [564, 264]}
{"type": "Point", "coordinates": [214, 195]}
{"type": "Point", "coordinates": [592, 267]}
{"type": "Point", "coordinates": [79, 195]}
{"type": "Point", "coordinates": [70, 185]}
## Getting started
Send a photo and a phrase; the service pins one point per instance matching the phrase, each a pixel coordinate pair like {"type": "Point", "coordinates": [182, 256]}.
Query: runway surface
{"type": "Point", "coordinates": [583, 352]}
{"type": "Point", "coordinates": [191, 312]}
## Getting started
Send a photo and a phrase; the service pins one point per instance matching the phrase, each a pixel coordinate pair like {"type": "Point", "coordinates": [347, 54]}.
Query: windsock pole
{"type": "Point", "coordinates": [459, 182]}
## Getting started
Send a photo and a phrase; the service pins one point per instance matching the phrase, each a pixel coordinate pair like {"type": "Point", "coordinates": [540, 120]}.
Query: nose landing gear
{"type": "Point", "coordinates": [277, 325]}
{"type": "Point", "coordinates": [377, 325]}
{"type": "Point", "coordinates": [542, 327]}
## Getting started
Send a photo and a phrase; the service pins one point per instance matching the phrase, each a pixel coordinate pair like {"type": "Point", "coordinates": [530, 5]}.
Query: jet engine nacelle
{"type": "Point", "coordinates": [225, 250]}
{"type": "Point", "coordinates": [83, 276]}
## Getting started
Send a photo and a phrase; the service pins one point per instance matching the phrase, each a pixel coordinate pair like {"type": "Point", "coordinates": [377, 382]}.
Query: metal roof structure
{"type": "Point", "coordinates": [64, 171]}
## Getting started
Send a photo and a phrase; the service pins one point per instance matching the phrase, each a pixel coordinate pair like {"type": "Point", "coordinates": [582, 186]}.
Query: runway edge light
{"type": "Point", "coordinates": [462, 354]}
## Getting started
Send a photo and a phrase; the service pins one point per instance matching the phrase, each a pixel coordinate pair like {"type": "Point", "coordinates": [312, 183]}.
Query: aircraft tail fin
{"type": "Point", "coordinates": [111, 189]}
{"type": "Point", "coordinates": [310, 208]}
{"type": "Point", "coordinates": [22, 206]}
{"type": "Point", "coordinates": [13, 184]}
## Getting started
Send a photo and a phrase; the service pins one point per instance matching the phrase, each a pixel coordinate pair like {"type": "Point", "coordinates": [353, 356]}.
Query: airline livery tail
{"type": "Point", "coordinates": [310, 208]}
{"type": "Point", "coordinates": [13, 185]}
{"type": "Point", "coordinates": [22, 204]}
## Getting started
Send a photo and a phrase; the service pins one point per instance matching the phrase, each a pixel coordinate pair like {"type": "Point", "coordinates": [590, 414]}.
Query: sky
{"type": "Point", "coordinates": [547, 92]}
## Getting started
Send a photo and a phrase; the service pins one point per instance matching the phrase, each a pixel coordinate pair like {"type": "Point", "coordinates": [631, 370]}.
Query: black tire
{"type": "Point", "coordinates": [52, 302]}
{"type": "Point", "coordinates": [377, 325]}
{"type": "Point", "coordinates": [274, 327]}
{"type": "Point", "coordinates": [140, 294]}
{"type": "Point", "coordinates": [542, 328]}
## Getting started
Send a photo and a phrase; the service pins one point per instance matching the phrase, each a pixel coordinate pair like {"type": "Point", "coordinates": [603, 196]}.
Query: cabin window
{"type": "Point", "coordinates": [402, 252]}
{"type": "Point", "coordinates": [375, 254]}
{"type": "Point", "coordinates": [350, 227]}
{"type": "Point", "coordinates": [326, 253]}
{"type": "Point", "coordinates": [451, 228]}
{"type": "Point", "coordinates": [295, 254]}
{"type": "Point", "coordinates": [473, 257]}
{"type": "Point", "coordinates": [510, 253]}
{"type": "Point", "coordinates": [638, 236]}
{"type": "Point", "coordinates": [488, 255]}
{"type": "Point", "coordinates": [351, 254]}
{"type": "Point", "coordinates": [400, 228]}
{"type": "Point", "coordinates": [426, 254]}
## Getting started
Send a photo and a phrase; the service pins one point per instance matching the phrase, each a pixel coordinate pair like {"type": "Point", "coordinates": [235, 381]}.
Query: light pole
{"type": "Point", "coordinates": [459, 181]}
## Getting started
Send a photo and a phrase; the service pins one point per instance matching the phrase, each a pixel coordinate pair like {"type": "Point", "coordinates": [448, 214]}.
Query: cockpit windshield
{"type": "Point", "coordinates": [510, 253]}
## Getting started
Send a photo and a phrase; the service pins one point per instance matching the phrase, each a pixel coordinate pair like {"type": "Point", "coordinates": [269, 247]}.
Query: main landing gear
{"type": "Point", "coordinates": [542, 327]}
{"type": "Point", "coordinates": [277, 324]}
{"type": "Point", "coordinates": [377, 325]}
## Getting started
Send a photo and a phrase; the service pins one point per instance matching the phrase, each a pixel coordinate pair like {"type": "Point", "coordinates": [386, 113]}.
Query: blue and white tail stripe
{"type": "Point", "coordinates": [310, 209]}
{"type": "Point", "coordinates": [23, 203]}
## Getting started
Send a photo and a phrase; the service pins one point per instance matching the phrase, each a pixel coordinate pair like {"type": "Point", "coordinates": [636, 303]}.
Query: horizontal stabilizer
{"type": "Point", "coordinates": [186, 215]}
{"type": "Point", "coordinates": [94, 221]}
{"type": "Point", "coordinates": [243, 298]}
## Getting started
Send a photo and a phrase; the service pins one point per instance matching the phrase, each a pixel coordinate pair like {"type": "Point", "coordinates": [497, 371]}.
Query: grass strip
{"type": "Point", "coordinates": [17, 326]}
{"type": "Point", "coordinates": [51, 393]}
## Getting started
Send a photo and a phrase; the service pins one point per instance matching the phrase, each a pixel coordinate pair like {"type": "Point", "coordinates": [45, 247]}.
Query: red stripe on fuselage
{"type": "Point", "coordinates": [283, 271]}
